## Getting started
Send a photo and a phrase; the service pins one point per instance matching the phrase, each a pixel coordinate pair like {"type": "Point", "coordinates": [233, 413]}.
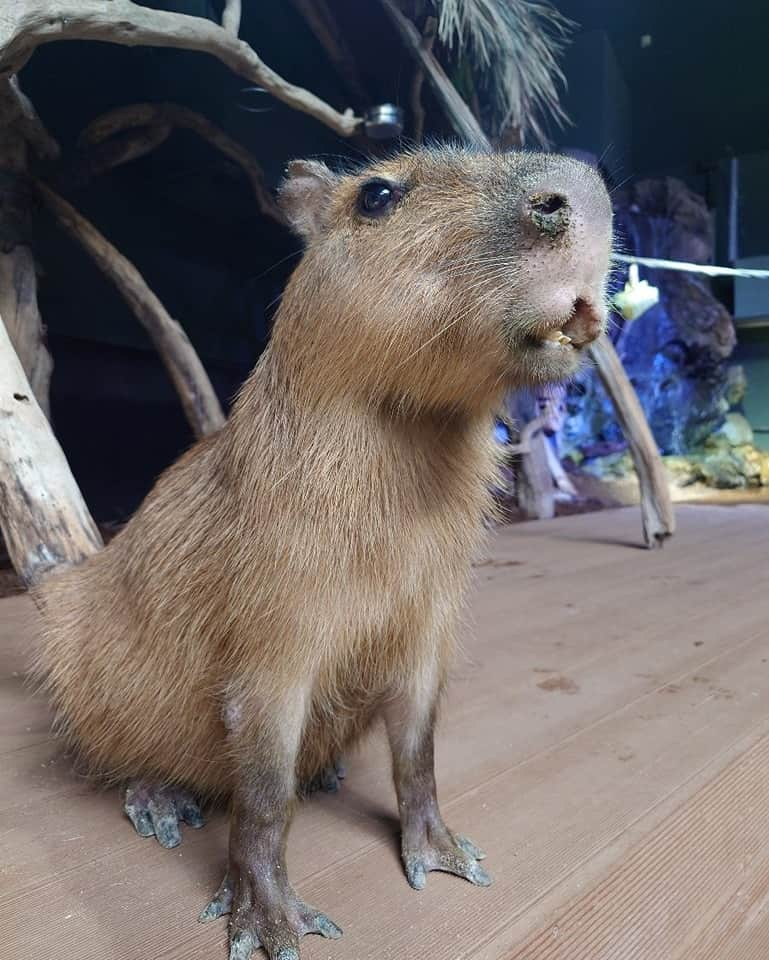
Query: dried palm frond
{"type": "Point", "coordinates": [513, 48]}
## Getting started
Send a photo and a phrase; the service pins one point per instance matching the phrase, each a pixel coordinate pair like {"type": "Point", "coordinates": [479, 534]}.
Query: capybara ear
{"type": "Point", "coordinates": [305, 196]}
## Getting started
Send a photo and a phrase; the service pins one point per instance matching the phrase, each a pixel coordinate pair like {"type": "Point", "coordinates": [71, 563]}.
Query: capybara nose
{"type": "Point", "coordinates": [550, 213]}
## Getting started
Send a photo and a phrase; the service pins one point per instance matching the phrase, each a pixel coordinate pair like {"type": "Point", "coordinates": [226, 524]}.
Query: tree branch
{"type": "Point", "coordinates": [656, 503]}
{"type": "Point", "coordinates": [122, 148]}
{"type": "Point", "coordinates": [31, 126]}
{"type": "Point", "coordinates": [25, 24]}
{"type": "Point", "coordinates": [200, 403]}
{"type": "Point", "coordinates": [231, 17]}
{"type": "Point", "coordinates": [417, 108]}
{"type": "Point", "coordinates": [163, 116]}
{"type": "Point", "coordinates": [18, 304]}
{"type": "Point", "coordinates": [43, 517]}
{"type": "Point", "coordinates": [455, 108]}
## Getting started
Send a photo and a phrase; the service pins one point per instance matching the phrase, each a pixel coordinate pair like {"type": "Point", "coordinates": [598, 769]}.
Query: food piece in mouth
{"type": "Point", "coordinates": [557, 336]}
{"type": "Point", "coordinates": [583, 326]}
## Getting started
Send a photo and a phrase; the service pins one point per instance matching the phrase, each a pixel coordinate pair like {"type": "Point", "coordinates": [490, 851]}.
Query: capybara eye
{"type": "Point", "coordinates": [378, 197]}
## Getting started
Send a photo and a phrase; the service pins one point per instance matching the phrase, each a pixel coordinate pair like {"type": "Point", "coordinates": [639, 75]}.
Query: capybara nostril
{"type": "Point", "coordinates": [550, 213]}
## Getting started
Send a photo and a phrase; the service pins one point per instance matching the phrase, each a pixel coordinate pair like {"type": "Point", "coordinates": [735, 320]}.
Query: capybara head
{"type": "Point", "coordinates": [440, 277]}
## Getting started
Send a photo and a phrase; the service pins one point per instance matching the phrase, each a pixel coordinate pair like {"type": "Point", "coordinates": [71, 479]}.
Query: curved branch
{"type": "Point", "coordinates": [200, 403]}
{"type": "Point", "coordinates": [429, 33]}
{"type": "Point", "coordinates": [118, 150]}
{"type": "Point", "coordinates": [29, 23]}
{"type": "Point", "coordinates": [167, 115]}
{"type": "Point", "coordinates": [31, 126]}
{"type": "Point", "coordinates": [231, 17]}
{"type": "Point", "coordinates": [656, 503]}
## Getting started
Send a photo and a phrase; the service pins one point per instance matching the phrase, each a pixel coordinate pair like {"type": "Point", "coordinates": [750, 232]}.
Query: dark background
{"type": "Point", "coordinates": [681, 106]}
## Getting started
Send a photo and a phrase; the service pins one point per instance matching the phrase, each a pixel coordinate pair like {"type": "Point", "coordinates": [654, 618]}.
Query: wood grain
{"type": "Point", "coordinates": [623, 811]}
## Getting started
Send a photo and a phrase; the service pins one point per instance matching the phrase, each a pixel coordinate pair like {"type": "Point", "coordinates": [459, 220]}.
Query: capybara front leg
{"type": "Point", "coordinates": [426, 842]}
{"type": "Point", "coordinates": [263, 906]}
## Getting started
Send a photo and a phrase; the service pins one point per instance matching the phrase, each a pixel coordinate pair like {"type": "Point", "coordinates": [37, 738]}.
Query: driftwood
{"type": "Point", "coordinates": [124, 147]}
{"type": "Point", "coordinates": [26, 24]}
{"type": "Point", "coordinates": [535, 490]}
{"type": "Point", "coordinates": [18, 302]}
{"type": "Point", "coordinates": [534, 485]}
{"type": "Point", "coordinates": [42, 514]}
{"type": "Point", "coordinates": [457, 111]}
{"type": "Point", "coordinates": [162, 118]}
{"type": "Point", "coordinates": [231, 17]}
{"type": "Point", "coordinates": [30, 125]}
{"type": "Point", "coordinates": [43, 518]}
{"type": "Point", "coordinates": [656, 503]}
{"type": "Point", "coordinates": [20, 131]}
{"type": "Point", "coordinates": [200, 403]}
{"type": "Point", "coordinates": [429, 32]}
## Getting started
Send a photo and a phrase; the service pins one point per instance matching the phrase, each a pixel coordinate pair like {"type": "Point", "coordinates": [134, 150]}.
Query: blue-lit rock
{"type": "Point", "coordinates": [677, 353]}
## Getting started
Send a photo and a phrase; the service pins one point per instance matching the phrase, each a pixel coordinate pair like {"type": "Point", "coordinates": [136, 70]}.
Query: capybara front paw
{"type": "Point", "coordinates": [329, 780]}
{"type": "Point", "coordinates": [278, 931]}
{"type": "Point", "coordinates": [278, 935]}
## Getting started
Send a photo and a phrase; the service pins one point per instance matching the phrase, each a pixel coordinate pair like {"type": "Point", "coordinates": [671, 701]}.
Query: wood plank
{"type": "Point", "coordinates": [608, 699]}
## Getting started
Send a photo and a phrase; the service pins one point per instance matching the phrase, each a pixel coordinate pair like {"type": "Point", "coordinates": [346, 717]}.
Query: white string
{"type": "Point", "coordinates": [694, 267]}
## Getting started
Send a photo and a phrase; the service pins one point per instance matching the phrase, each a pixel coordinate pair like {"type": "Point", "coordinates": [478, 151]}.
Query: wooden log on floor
{"type": "Point", "coordinates": [656, 503]}
{"type": "Point", "coordinates": [43, 518]}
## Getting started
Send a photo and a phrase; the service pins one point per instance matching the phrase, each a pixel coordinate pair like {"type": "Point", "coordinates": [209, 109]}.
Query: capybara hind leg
{"type": "Point", "coordinates": [156, 811]}
{"type": "Point", "coordinates": [329, 780]}
{"type": "Point", "coordinates": [426, 842]}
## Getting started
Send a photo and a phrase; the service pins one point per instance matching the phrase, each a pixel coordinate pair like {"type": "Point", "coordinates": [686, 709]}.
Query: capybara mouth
{"type": "Point", "coordinates": [583, 325]}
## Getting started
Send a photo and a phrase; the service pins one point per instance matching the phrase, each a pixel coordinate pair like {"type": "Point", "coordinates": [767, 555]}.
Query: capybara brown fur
{"type": "Point", "coordinates": [301, 573]}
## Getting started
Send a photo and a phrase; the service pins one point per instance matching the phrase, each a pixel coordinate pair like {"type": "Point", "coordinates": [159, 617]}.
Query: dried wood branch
{"type": "Point", "coordinates": [534, 483]}
{"type": "Point", "coordinates": [457, 111]}
{"type": "Point", "coordinates": [18, 303]}
{"type": "Point", "coordinates": [164, 116]}
{"type": "Point", "coordinates": [43, 518]}
{"type": "Point", "coordinates": [656, 503]}
{"type": "Point", "coordinates": [26, 24]}
{"type": "Point", "coordinates": [31, 126]}
{"type": "Point", "coordinates": [231, 17]}
{"type": "Point", "coordinates": [20, 132]}
{"type": "Point", "coordinates": [199, 401]}
{"type": "Point", "coordinates": [429, 32]}
{"type": "Point", "coordinates": [122, 148]}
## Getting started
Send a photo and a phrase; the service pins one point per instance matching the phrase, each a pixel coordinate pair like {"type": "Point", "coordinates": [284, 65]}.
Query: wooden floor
{"type": "Point", "coordinates": [606, 740]}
